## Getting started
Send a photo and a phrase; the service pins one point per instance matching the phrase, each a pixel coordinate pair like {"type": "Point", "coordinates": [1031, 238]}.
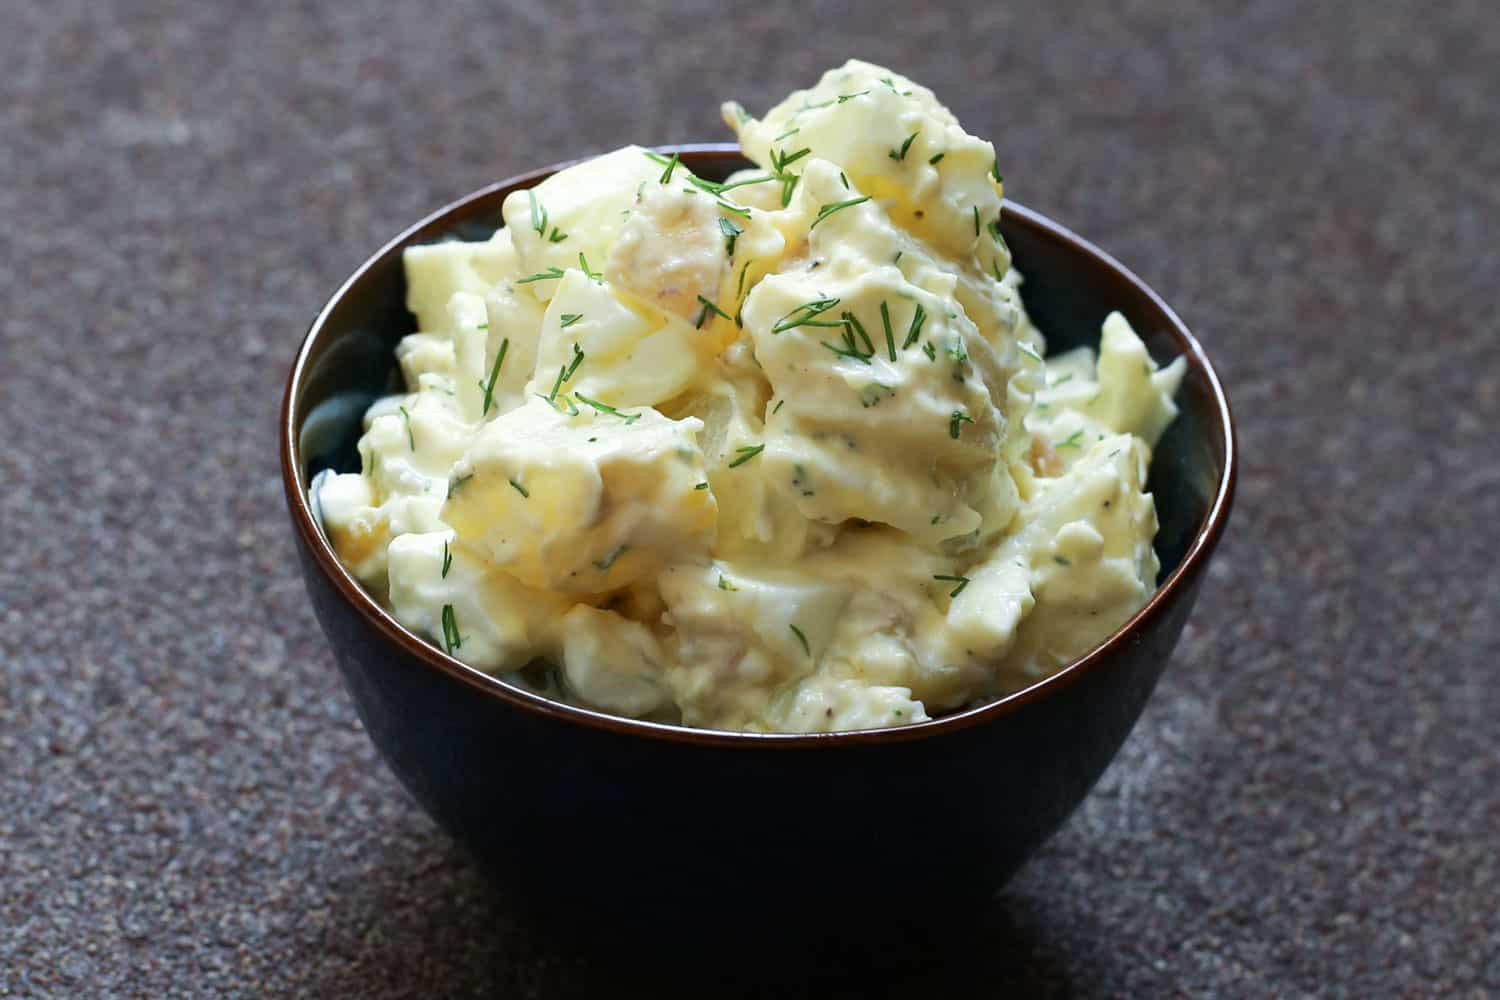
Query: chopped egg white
{"type": "Point", "coordinates": [779, 453]}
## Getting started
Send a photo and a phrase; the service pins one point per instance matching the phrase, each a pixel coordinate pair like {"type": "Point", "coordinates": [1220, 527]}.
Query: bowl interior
{"type": "Point", "coordinates": [1070, 287]}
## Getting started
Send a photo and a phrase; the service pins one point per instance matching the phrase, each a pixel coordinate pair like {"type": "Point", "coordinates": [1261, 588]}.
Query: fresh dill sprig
{"type": "Point", "coordinates": [666, 175]}
{"type": "Point", "coordinates": [583, 265]}
{"type": "Point", "coordinates": [604, 564]}
{"type": "Point", "coordinates": [781, 159]}
{"type": "Point", "coordinates": [850, 97]}
{"type": "Point", "coordinates": [962, 582]}
{"type": "Point", "coordinates": [412, 441]}
{"type": "Point", "coordinates": [451, 639]}
{"type": "Point", "coordinates": [547, 275]}
{"type": "Point", "coordinates": [746, 453]}
{"type": "Point", "coordinates": [804, 314]}
{"type": "Point", "coordinates": [956, 422]}
{"type": "Point", "coordinates": [489, 387]}
{"type": "Point", "coordinates": [739, 290]}
{"type": "Point", "coordinates": [900, 154]}
{"type": "Point", "coordinates": [599, 407]}
{"type": "Point", "coordinates": [709, 306]}
{"type": "Point", "coordinates": [788, 185]}
{"type": "Point", "coordinates": [454, 484]}
{"type": "Point", "coordinates": [853, 325]}
{"type": "Point", "coordinates": [565, 372]}
{"type": "Point", "coordinates": [807, 650]}
{"type": "Point", "coordinates": [747, 181]}
{"type": "Point", "coordinates": [918, 317]}
{"type": "Point", "coordinates": [827, 210]}
{"type": "Point", "coordinates": [890, 337]}
{"type": "Point", "coordinates": [731, 233]}
{"type": "Point", "coordinates": [848, 350]}
{"type": "Point", "coordinates": [538, 213]}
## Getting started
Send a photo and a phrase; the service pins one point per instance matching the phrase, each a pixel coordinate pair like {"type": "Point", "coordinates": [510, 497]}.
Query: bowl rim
{"type": "Point", "coordinates": [1205, 539]}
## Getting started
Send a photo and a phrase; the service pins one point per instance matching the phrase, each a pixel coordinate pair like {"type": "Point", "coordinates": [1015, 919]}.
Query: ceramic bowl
{"type": "Point", "coordinates": [652, 830]}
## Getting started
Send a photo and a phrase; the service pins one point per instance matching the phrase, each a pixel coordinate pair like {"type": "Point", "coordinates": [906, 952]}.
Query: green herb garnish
{"type": "Point", "coordinates": [447, 559]}
{"type": "Point", "coordinates": [707, 308]}
{"type": "Point", "coordinates": [899, 155]}
{"type": "Point", "coordinates": [837, 206]}
{"type": "Point", "coordinates": [701, 486]}
{"type": "Point", "coordinates": [1071, 441]}
{"type": "Point", "coordinates": [489, 387]}
{"type": "Point", "coordinates": [781, 159]}
{"type": "Point", "coordinates": [890, 338]}
{"type": "Point", "coordinates": [917, 319]}
{"type": "Point", "coordinates": [547, 275]}
{"type": "Point", "coordinates": [409, 438]}
{"type": "Point", "coordinates": [962, 582]}
{"type": "Point", "coordinates": [956, 422]}
{"type": "Point", "coordinates": [454, 484]}
{"type": "Point", "coordinates": [1030, 352]}
{"type": "Point", "coordinates": [746, 453]}
{"type": "Point", "coordinates": [666, 175]}
{"type": "Point", "coordinates": [583, 264]}
{"type": "Point", "coordinates": [731, 233]}
{"type": "Point", "coordinates": [451, 639]}
{"type": "Point", "coordinates": [568, 319]}
{"type": "Point", "coordinates": [520, 489]}
{"type": "Point", "coordinates": [936, 159]}
{"type": "Point", "coordinates": [725, 584]}
{"type": "Point", "coordinates": [801, 638]}
{"type": "Point", "coordinates": [1061, 561]}
{"type": "Point", "coordinates": [629, 418]}
{"type": "Point", "coordinates": [788, 185]}
{"type": "Point", "coordinates": [928, 350]}
{"type": "Point", "coordinates": [604, 564]}
{"type": "Point", "coordinates": [804, 315]}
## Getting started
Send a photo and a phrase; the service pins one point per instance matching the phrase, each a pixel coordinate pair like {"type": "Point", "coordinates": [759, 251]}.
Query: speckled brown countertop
{"type": "Point", "coordinates": [1311, 803]}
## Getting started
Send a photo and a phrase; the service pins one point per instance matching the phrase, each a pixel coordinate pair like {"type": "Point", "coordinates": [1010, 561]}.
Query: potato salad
{"type": "Point", "coordinates": [780, 452]}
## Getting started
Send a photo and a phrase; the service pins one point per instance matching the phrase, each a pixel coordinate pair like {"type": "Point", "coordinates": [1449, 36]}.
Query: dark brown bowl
{"type": "Point", "coordinates": [709, 835]}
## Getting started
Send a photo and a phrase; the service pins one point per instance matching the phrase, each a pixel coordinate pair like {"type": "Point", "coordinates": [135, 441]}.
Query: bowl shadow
{"type": "Point", "coordinates": [435, 925]}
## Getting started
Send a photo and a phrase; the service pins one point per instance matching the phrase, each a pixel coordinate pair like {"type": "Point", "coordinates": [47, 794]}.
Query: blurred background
{"type": "Point", "coordinates": [188, 805]}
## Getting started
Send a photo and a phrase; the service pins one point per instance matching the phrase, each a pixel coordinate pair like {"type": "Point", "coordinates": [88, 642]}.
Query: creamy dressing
{"type": "Point", "coordinates": [781, 454]}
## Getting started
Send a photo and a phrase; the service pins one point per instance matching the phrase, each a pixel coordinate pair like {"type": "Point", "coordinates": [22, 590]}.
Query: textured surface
{"type": "Point", "coordinates": [1311, 804]}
